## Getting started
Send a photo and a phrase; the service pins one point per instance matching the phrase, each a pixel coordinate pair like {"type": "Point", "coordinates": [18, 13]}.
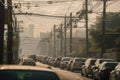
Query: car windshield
{"type": "Point", "coordinates": [111, 65]}
{"type": "Point", "coordinates": [29, 60]}
{"type": "Point", "coordinates": [80, 60]}
{"type": "Point", "coordinates": [27, 75]}
{"type": "Point", "coordinates": [109, 60]}
{"type": "Point", "coordinates": [93, 61]}
{"type": "Point", "coordinates": [66, 59]}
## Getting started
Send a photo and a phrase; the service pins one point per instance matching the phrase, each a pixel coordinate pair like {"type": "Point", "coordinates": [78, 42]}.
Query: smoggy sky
{"type": "Point", "coordinates": [44, 24]}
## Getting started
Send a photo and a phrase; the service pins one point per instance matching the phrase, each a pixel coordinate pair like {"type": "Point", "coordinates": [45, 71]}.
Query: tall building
{"type": "Point", "coordinates": [31, 30]}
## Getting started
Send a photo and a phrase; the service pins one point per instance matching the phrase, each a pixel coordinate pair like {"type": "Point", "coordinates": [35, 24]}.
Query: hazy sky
{"type": "Point", "coordinates": [44, 24]}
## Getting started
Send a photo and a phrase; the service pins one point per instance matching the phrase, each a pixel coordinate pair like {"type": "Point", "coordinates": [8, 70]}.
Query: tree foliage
{"type": "Point", "coordinates": [112, 26]}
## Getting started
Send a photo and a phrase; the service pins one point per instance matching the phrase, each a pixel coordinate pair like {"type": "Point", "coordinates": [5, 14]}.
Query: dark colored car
{"type": "Point", "coordinates": [115, 74]}
{"type": "Point", "coordinates": [103, 72]}
{"type": "Point", "coordinates": [14, 72]}
{"type": "Point", "coordinates": [98, 62]}
{"type": "Point", "coordinates": [57, 62]}
{"type": "Point", "coordinates": [86, 68]}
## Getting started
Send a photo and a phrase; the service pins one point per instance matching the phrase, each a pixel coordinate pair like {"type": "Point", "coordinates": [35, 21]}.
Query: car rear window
{"type": "Point", "coordinates": [80, 60]}
{"type": "Point", "coordinates": [27, 75]}
{"type": "Point", "coordinates": [111, 65]}
{"type": "Point", "coordinates": [93, 61]}
{"type": "Point", "coordinates": [107, 61]}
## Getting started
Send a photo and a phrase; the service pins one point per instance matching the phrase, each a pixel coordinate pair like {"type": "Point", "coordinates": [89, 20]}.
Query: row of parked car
{"type": "Point", "coordinates": [68, 63]}
{"type": "Point", "coordinates": [97, 69]}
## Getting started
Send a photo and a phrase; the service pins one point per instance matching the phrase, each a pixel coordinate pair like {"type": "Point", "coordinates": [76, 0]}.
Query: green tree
{"type": "Point", "coordinates": [112, 27]}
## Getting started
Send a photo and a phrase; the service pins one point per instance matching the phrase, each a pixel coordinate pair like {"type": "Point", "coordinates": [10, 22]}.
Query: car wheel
{"type": "Point", "coordinates": [110, 78]}
{"type": "Point", "coordinates": [72, 69]}
{"type": "Point", "coordinates": [81, 74]}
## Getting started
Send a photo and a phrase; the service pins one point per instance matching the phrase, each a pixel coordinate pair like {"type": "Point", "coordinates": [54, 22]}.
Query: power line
{"type": "Point", "coordinates": [43, 15]}
{"type": "Point", "coordinates": [107, 5]}
{"type": "Point", "coordinates": [69, 7]}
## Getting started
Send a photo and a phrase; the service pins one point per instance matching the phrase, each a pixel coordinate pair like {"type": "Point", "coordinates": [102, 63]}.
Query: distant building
{"type": "Point", "coordinates": [44, 44]}
{"type": "Point", "coordinates": [78, 45]}
{"type": "Point", "coordinates": [31, 30]}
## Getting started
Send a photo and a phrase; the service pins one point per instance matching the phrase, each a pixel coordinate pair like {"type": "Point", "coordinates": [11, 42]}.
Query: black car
{"type": "Point", "coordinates": [115, 74]}
{"type": "Point", "coordinates": [98, 62]}
{"type": "Point", "coordinates": [103, 72]}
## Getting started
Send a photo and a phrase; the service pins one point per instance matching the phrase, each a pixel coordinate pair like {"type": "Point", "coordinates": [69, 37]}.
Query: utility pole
{"type": "Point", "coordinates": [103, 27]}
{"type": "Point", "coordinates": [18, 37]}
{"type": "Point", "coordinates": [65, 36]}
{"type": "Point", "coordinates": [70, 33]}
{"type": "Point", "coordinates": [1, 30]}
{"type": "Point", "coordinates": [51, 45]}
{"type": "Point", "coordinates": [61, 41]}
{"type": "Point", "coordinates": [54, 41]}
{"type": "Point", "coordinates": [86, 21]}
{"type": "Point", "coordinates": [10, 33]}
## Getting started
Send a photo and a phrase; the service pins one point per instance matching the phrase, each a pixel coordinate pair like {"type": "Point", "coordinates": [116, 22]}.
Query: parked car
{"type": "Point", "coordinates": [98, 62]}
{"type": "Point", "coordinates": [68, 64]}
{"type": "Point", "coordinates": [57, 62]}
{"type": "Point", "coordinates": [28, 61]}
{"type": "Point", "coordinates": [52, 61]}
{"type": "Point", "coordinates": [64, 62]}
{"type": "Point", "coordinates": [115, 74]}
{"type": "Point", "coordinates": [77, 64]}
{"type": "Point", "coordinates": [17, 72]}
{"type": "Point", "coordinates": [103, 72]}
{"type": "Point", "coordinates": [86, 68]}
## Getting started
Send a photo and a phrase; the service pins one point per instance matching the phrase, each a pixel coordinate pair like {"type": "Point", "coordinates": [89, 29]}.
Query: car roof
{"type": "Point", "coordinates": [108, 62]}
{"type": "Point", "coordinates": [105, 59]}
{"type": "Point", "coordinates": [22, 67]}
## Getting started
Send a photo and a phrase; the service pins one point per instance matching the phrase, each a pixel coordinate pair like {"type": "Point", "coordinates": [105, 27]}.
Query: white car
{"type": "Point", "coordinates": [28, 61]}
{"type": "Point", "coordinates": [64, 62]}
{"type": "Point", "coordinates": [18, 72]}
{"type": "Point", "coordinates": [77, 64]}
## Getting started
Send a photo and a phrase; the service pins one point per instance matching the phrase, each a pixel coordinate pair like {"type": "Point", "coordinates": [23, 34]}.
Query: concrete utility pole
{"type": "Point", "coordinates": [54, 41]}
{"type": "Point", "coordinates": [103, 27]}
{"type": "Point", "coordinates": [10, 33]}
{"type": "Point", "coordinates": [1, 30]}
{"type": "Point", "coordinates": [86, 21]}
{"type": "Point", "coordinates": [61, 40]}
{"type": "Point", "coordinates": [65, 36]}
{"type": "Point", "coordinates": [70, 33]}
{"type": "Point", "coordinates": [51, 45]}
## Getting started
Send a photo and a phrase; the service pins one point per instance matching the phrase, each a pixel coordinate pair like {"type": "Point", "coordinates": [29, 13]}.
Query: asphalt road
{"type": "Point", "coordinates": [64, 74]}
